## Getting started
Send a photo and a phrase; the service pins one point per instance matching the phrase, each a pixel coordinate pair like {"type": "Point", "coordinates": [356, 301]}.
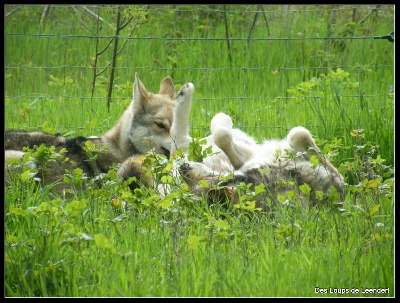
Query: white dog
{"type": "Point", "coordinates": [280, 165]}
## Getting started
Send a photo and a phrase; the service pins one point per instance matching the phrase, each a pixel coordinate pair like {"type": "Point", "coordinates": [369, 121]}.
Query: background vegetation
{"type": "Point", "coordinates": [322, 67]}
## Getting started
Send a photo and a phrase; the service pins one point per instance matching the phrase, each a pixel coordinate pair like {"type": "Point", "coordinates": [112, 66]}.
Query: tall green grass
{"type": "Point", "coordinates": [91, 245]}
{"type": "Point", "coordinates": [86, 244]}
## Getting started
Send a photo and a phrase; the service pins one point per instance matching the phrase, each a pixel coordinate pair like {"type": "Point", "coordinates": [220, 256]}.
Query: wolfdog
{"type": "Point", "coordinates": [144, 126]}
{"type": "Point", "coordinates": [280, 165]}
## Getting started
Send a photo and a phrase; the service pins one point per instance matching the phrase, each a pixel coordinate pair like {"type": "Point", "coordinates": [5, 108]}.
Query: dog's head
{"type": "Point", "coordinates": [152, 117]}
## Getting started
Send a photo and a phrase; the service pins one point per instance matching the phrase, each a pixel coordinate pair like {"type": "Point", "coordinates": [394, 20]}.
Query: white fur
{"type": "Point", "coordinates": [236, 152]}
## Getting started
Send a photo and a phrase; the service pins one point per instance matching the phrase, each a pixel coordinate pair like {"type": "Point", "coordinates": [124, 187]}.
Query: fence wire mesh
{"type": "Point", "coordinates": [243, 59]}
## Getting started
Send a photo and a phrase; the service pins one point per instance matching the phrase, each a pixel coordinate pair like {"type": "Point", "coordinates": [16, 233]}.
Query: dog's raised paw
{"type": "Point", "coordinates": [221, 120]}
{"type": "Point", "coordinates": [186, 89]}
{"type": "Point", "coordinates": [300, 138]}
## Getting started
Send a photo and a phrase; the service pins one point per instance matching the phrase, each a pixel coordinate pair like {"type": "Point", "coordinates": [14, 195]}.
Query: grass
{"type": "Point", "coordinates": [88, 247]}
{"type": "Point", "coordinates": [86, 244]}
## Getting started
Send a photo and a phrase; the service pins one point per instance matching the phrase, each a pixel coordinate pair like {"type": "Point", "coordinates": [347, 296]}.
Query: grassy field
{"type": "Point", "coordinates": [320, 68]}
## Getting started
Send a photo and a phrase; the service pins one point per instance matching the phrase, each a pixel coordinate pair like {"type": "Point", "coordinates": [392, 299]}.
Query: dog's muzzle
{"type": "Point", "coordinates": [185, 167]}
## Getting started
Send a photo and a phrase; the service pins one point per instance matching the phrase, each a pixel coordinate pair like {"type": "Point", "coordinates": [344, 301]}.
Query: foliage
{"type": "Point", "coordinates": [58, 246]}
{"type": "Point", "coordinates": [109, 241]}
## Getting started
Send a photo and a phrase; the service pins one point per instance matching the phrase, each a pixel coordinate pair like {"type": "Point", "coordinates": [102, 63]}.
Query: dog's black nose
{"type": "Point", "coordinates": [166, 152]}
{"type": "Point", "coordinates": [185, 167]}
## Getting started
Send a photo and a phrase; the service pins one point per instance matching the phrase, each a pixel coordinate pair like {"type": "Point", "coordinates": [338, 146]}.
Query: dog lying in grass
{"type": "Point", "coordinates": [144, 125]}
{"type": "Point", "coordinates": [235, 163]}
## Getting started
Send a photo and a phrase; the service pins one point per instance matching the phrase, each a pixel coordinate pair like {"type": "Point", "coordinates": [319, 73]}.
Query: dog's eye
{"type": "Point", "coordinates": [160, 125]}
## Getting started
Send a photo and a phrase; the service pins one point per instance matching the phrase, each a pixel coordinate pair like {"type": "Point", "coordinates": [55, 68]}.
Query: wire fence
{"type": "Point", "coordinates": [63, 42]}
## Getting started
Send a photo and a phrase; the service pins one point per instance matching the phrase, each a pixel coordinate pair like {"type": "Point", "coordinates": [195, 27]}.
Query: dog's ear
{"type": "Point", "coordinates": [140, 92]}
{"type": "Point", "coordinates": [167, 87]}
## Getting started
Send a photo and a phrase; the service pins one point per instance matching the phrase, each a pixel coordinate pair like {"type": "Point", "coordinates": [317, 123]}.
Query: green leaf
{"type": "Point", "coordinates": [76, 207]}
{"type": "Point", "coordinates": [281, 198]}
{"type": "Point", "coordinates": [26, 175]}
{"type": "Point", "coordinates": [259, 189]}
{"type": "Point", "coordinates": [47, 129]}
{"type": "Point", "coordinates": [221, 224]}
{"type": "Point", "coordinates": [305, 189]}
{"type": "Point", "coordinates": [101, 241]}
{"type": "Point", "coordinates": [165, 203]}
{"type": "Point", "coordinates": [167, 179]}
{"type": "Point", "coordinates": [194, 241]}
{"type": "Point", "coordinates": [204, 184]}
{"type": "Point", "coordinates": [126, 194]}
{"type": "Point", "coordinates": [314, 161]}
{"type": "Point", "coordinates": [373, 210]}
{"type": "Point", "coordinates": [17, 211]}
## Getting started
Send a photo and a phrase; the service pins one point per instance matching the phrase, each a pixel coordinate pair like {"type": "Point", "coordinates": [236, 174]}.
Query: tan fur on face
{"type": "Point", "coordinates": [145, 124]}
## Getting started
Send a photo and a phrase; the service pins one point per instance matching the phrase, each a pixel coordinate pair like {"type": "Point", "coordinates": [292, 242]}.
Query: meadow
{"type": "Point", "coordinates": [328, 68]}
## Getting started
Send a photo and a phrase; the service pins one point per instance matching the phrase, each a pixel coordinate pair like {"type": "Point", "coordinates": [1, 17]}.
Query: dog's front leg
{"type": "Point", "coordinates": [180, 125]}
